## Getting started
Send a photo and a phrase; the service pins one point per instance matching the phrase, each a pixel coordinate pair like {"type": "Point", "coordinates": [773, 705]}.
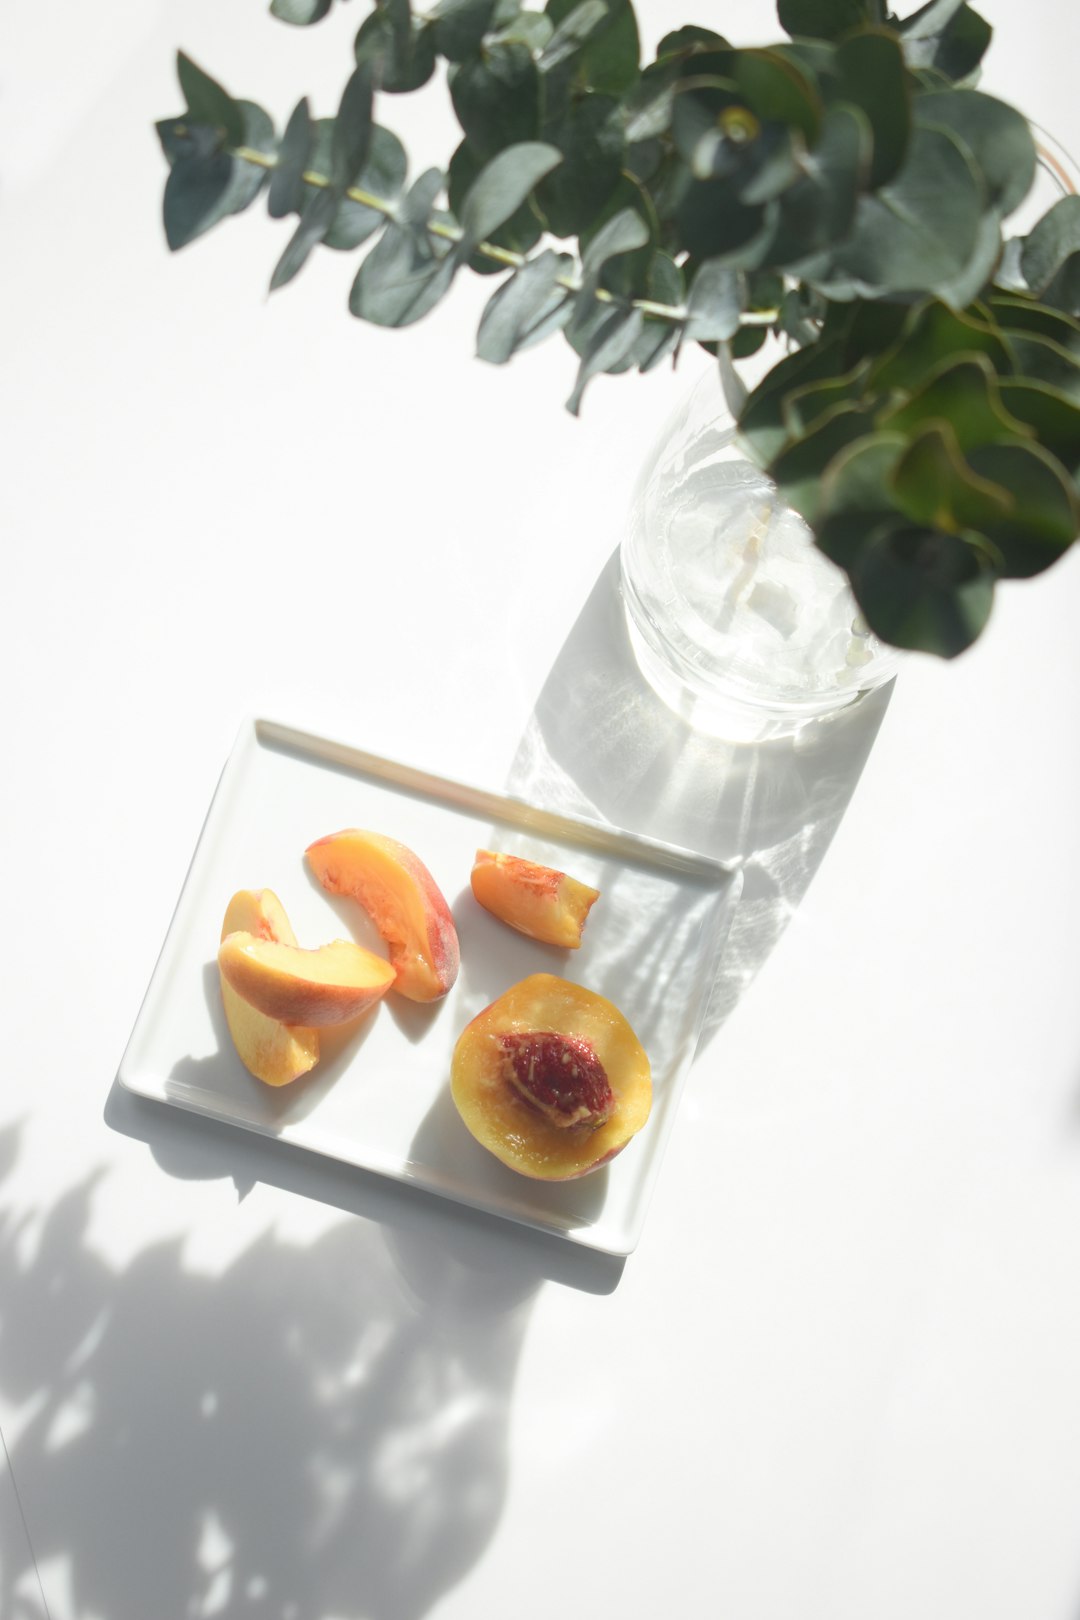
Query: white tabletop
{"type": "Point", "coordinates": [837, 1379]}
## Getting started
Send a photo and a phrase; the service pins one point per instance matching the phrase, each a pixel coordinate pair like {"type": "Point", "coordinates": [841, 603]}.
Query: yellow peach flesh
{"type": "Point", "coordinates": [547, 905]}
{"type": "Point", "coordinates": [503, 1121]}
{"type": "Point", "coordinates": [273, 1052]}
{"type": "Point", "coordinates": [402, 899]}
{"type": "Point", "coordinates": [331, 985]}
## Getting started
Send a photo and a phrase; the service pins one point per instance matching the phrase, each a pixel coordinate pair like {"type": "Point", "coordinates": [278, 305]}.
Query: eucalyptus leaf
{"type": "Point", "coordinates": [778, 90]}
{"type": "Point", "coordinates": [316, 218]}
{"type": "Point", "coordinates": [183, 138]}
{"type": "Point", "coordinates": [612, 343]}
{"type": "Point", "coordinates": [496, 98]}
{"type": "Point", "coordinates": [525, 304]}
{"type": "Point", "coordinates": [937, 487]}
{"type": "Point", "coordinates": [799, 468]}
{"type": "Point", "coordinates": [1051, 243]}
{"type": "Point", "coordinates": [1051, 415]}
{"type": "Point", "coordinates": [401, 49]}
{"type": "Point", "coordinates": [458, 26]}
{"type": "Point", "coordinates": [206, 185]}
{"type": "Point", "coordinates": [920, 231]}
{"type": "Point", "coordinates": [352, 128]}
{"type": "Point", "coordinates": [923, 589]}
{"type": "Point", "coordinates": [401, 279]}
{"type": "Point", "coordinates": [300, 12]}
{"type": "Point", "coordinates": [518, 234]}
{"type": "Point", "coordinates": [964, 393]}
{"type": "Point", "coordinates": [820, 207]}
{"type": "Point", "coordinates": [286, 194]}
{"type": "Point", "coordinates": [195, 194]}
{"type": "Point", "coordinates": [932, 333]}
{"type": "Point", "coordinates": [930, 20]}
{"type": "Point", "coordinates": [501, 187]}
{"type": "Point", "coordinates": [870, 74]}
{"type": "Point", "coordinates": [608, 60]}
{"type": "Point", "coordinates": [713, 223]}
{"type": "Point", "coordinates": [382, 176]}
{"type": "Point", "coordinates": [685, 41]}
{"type": "Point", "coordinates": [1023, 314]}
{"type": "Point", "coordinates": [824, 19]}
{"type": "Point", "coordinates": [716, 302]}
{"type": "Point", "coordinates": [1046, 361]}
{"type": "Point", "coordinates": [856, 495]}
{"type": "Point", "coordinates": [571, 33]}
{"type": "Point", "coordinates": [207, 102]}
{"type": "Point", "coordinates": [589, 138]}
{"type": "Point", "coordinates": [1043, 522]}
{"type": "Point", "coordinates": [998, 137]}
{"type": "Point", "coordinates": [956, 50]}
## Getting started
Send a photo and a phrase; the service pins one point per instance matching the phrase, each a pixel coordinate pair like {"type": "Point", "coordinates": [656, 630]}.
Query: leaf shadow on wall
{"type": "Point", "coordinates": [318, 1428]}
{"type": "Point", "coordinates": [601, 743]}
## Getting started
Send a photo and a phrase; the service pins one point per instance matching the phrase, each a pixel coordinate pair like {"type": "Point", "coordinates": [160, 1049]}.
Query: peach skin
{"type": "Point", "coordinates": [551, 1079]}
{"type": "Point", "coordinates": [331, 985]}
{"type": "Point", "coordinates": [271, 1051]}
{"type": "Point", "coordinates": [403, 901]}
{"type": "Point", "coordinates": [536, 900]}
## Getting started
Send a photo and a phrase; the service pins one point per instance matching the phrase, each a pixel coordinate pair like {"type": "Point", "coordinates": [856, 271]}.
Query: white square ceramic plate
{"type": "Point", "coordinates": [380, 1097]}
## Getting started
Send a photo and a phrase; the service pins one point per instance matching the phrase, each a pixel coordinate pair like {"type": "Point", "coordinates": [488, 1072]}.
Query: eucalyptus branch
{"type": "Point", "coordinates": [845, 188]}
{"type": "Point", "coordinates": [676, 314]}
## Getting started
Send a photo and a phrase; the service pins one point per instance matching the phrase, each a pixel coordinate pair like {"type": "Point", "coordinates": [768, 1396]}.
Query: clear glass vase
{"type": "Point", "coordinates": [737, 620]}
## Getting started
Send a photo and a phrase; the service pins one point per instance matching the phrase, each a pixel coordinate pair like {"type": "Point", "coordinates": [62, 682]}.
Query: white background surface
{"type": "Point", "coordinates": [838, 1377]}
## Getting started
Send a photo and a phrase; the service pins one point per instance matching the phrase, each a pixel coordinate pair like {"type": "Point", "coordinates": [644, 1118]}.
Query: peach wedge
{"type": "Point", "coordinates": [536, 900]}
{"type": "Point", "coordinates": [551, 1079]}
{"type": "Point", "coordinates": [403, 901]}
{"type": "Point", "coordinates": [271, 1051]}
{"type": "Point", "coordinates": [331, 985]}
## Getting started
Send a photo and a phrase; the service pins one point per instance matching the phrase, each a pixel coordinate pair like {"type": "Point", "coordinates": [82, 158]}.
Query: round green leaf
{"type": "Point", "coordinates": [869, 73]}
{"type": "Point", "coordinates": [1044, 517]}
{"type": "Point", "coordinates": [824, 19]}
{"type": "Point", "coordinates": [1051, 415]}
{"type": "Point", "coordinates": [998, 137]}
{"type": "Point", "coordinates": [588, 136]}
{"type": "Point", "coordinates": [935, 486]}
{"type": "Point", "coordinates": [401, 49]}
{"type": "Point", "coordinates": [920, 230]}
{"type": "Point", "coordinates": [497, 98]}
{"type": "Point", "coordinates": [458, 26]}
{"type": "Point", "coordinates": [964, 393]}
{"type": "Point", "coordinates": [502, 187]}
{"type": "Point", "coordinates": [922, 589]}
{"type": "Point", "coordinates": [608, 62]}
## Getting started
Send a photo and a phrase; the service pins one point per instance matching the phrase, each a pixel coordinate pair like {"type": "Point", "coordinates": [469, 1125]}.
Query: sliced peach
{"type": "Point", "coordinates": [551, 1079]}
{"type": "Point", "coordinates": [536, 900]}
{"type": "Point", "coordinates": [271, 1051]}
{"type": "Point", "coordinates": [330, 985]}
{"type": "Point", "coordinates": [402, 899]}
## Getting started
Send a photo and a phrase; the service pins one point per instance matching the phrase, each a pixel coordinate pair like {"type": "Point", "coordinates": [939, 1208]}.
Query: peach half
{"type": "Point", "coordinates": [331, 985]}
{"type": "Point", "coordinates": [273, 1052]}
{"type": "Point", "coordinates": [536, 900]}
{"type": "Point", "coordinates": [551, 1079]}
{"type": "Point", "coordinates": [403, 901]}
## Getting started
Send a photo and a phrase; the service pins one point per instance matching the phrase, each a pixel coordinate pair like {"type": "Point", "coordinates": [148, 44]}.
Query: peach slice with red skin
{"type": "Point", "coordinates": [403, 901]}
{"type": "Point", "coordinates": [273, 1052]}
{"type": "Point", "coordinates": [331, 985]}
{"type": "Point", "coordinates": [551, 1079]}
{"type": "Point", "coordinates": [540, 901]}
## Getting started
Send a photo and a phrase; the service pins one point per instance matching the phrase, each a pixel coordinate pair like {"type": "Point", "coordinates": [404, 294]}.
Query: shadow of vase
{"type": "Point", "coordinates": [601, 743]}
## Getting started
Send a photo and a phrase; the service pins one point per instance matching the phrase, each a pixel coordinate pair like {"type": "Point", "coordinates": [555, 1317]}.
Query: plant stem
{"type": "Point", "coordinates": [488, 250]}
